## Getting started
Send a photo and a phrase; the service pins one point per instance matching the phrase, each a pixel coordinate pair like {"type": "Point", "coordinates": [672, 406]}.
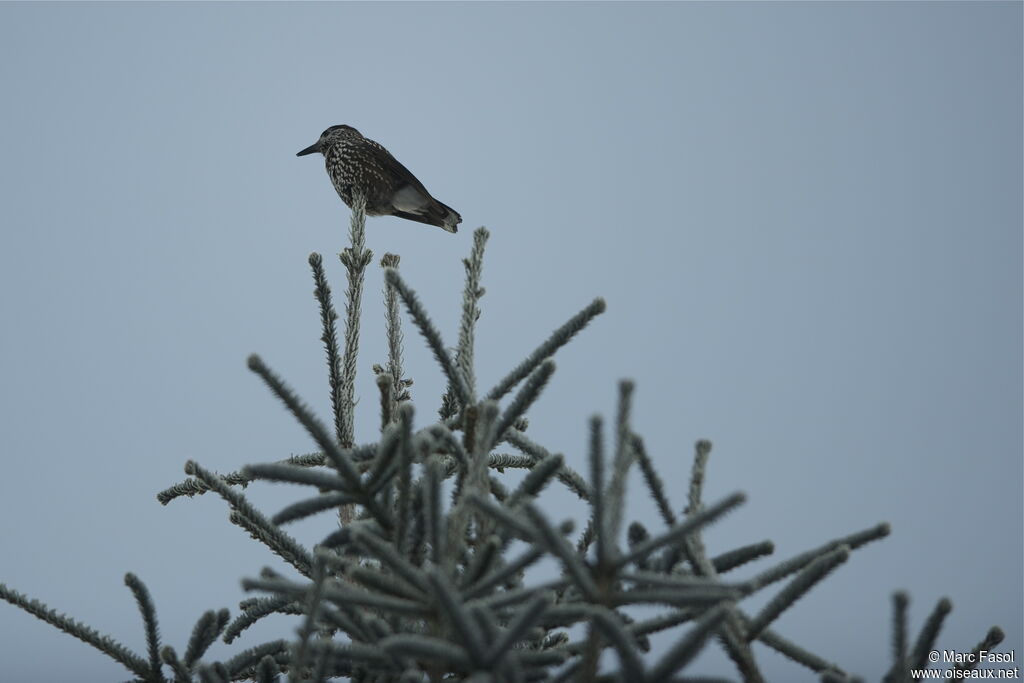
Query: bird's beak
{"type": "Point", "coordinates": [315, 147]}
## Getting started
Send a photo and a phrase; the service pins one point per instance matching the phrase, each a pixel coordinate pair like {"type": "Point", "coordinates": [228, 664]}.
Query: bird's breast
{"type": "Point", "coordinates": [354, 172]}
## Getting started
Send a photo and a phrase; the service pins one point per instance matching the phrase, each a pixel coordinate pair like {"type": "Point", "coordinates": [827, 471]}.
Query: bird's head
{"type": "Point", "coordinates": [329, 137]}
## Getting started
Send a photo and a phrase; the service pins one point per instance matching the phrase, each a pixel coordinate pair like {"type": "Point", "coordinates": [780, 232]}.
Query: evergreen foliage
{"type": "Point", "coordinates": [412, 585]}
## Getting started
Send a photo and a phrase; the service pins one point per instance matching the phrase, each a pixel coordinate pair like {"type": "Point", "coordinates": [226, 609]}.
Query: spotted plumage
{"type": "Point", "coordinates": [358, 164]}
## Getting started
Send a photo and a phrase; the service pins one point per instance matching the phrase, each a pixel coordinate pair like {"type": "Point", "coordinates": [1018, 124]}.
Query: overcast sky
{"type": "Point", "coordinates": [805, 219]}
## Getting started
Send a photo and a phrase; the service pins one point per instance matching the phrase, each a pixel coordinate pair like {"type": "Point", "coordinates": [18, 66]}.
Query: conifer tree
{"type": "Point", "coordinates": [426, 571]}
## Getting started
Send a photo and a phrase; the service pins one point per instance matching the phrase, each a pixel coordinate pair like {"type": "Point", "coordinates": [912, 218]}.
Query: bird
{"type": "Point", "coordinates": [359, 165]}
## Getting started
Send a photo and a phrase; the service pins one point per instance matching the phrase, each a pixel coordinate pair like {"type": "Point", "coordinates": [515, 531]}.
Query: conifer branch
{"type": "Point", "coordinates": [598, 508]}
{"type": "Point", "coordinates": [687, 647]}
{"type": "Point", "coordinates": [434, 518]}
{"type": "Point", "coordinates": [797, 563]}
{"type": "Point", "coordinates": [404, 488]}
{"type": "Point", "coordinates": [540, 474]}
{"type": "Point", "coordinates": [483, 558]}
{"type": "Point", "coordinates": [267, 670]}
{"type": "Point", "coordinates": [558, 339]}
{"type": "Point", "coordinates": [149, 621]}
{"type": "Point", "coordinates": [482, 426]}
{"type": "Point", "coordinates": [427, 648]}
{"type": "Point", "coordinates": [654, 483]}
{"type": "Point", "coordinates": [390, 583]}
{"type": "Point", "coordinates": [804, 581]}
{"type": "Point", "coordinates": [255, 610]}
{"type": "Point", "coordinates": [342, 597]}
{"type": "Point", "coordinates": [170, 657]}
{"type": "Point", "coordinates": [296, 475]}
{"type": "Point", "coordinates": [355, 258]}
{"type": "Point", "coordinates": [740, 556]}
{"type": "Point", "coordinates": [458, 616]}
{"type": "Point", "coordinates": [247, 659]}
{"type": "Point", "coordinates": [501, 461]}
{"type": "Point", "coordinates": [504, 573]}
{"type": "Point", "coordinates": [625, 647]}
{"type": "Point", "coordinates": [204, 634]}
{"type": "Point", "coordinates": [399, 385]}
{"type": "Point", "coordinates": [621, 462]}
{"type": "Point", "coordinates": [215, 673]}
{"type": "Point", "coordinates": [311, 506]}
{"type": "Point", "coordinates": [390, 558]}
{"type": "Point", "coordinates": [993, 637]}
{"type": "Point", "coordinates": [86, 634]}
{"type": "Point", "coordinates": [464, 352]}
{"type": "Point", "coordinates": [524, 399]}
{"type": "Point", "coordinates": [314, 601]}
{"type": "Point", "coordinates": [557, 545]}
{"type": "Point", "coordinates": [898, 672]}
{"type": "Point", "coordinates": [449, 443]}
{"type": "Point", "coordinates": [691, 525]}
{"type": "Point", "coordinates": [194, 487]}
{"type": "Point", "coordinates": [700, 460]}
{"type": "Point", "coordinates": [387, 399]}
{"type": "Point", "coordinates": [430, 334]}
{"type": "Point", "coordinates": [566, 474]}
{"type": "Point", "coordinates": [253, 520]}
{"type": "Point", "coordinates": [929, 632]}
{"type": "Point", "coordinates": [512, 524]}
{"type": "Point", "coordinates": [329, 337]}
{"type": "Point", "coordinates": [796, 653]}
{"type": "Point", "coordinates": [308, 420]}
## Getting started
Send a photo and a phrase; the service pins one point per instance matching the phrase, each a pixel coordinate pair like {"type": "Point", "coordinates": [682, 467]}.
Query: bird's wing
{"type": "Point", "coordinates": [393, 168]}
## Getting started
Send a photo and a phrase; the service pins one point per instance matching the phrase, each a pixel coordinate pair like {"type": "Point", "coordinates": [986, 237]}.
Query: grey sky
{"type": "Point", "coordinates": [805, 218]}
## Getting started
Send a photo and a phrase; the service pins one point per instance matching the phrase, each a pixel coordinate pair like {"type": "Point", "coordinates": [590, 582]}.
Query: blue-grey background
{"type": "Point", "coordinates": [805, 218]}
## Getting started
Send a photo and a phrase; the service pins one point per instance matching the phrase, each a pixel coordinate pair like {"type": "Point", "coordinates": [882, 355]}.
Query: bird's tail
{"type": "Point", "coordinates": [434, 213]}
{"type": "Point", "coordinates": [450, 219]}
